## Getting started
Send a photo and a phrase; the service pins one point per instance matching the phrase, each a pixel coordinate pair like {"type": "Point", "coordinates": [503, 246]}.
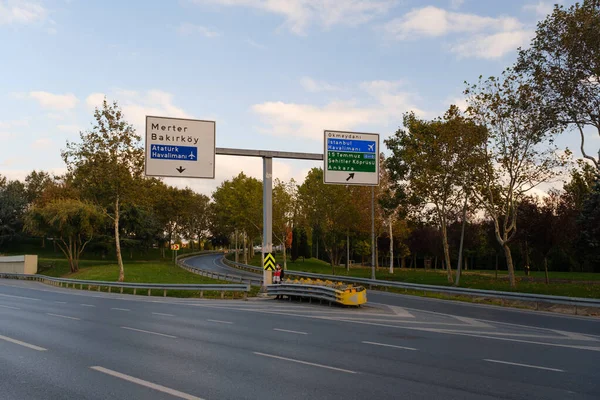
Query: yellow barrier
{"type": "Point", "coordinates": [348, 294]}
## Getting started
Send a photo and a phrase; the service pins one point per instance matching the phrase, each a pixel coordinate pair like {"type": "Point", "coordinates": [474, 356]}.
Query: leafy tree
{"type": "Point", "coordinates": [284, 205]}
{"type": "Point", "coordinates": [35, 184]}
{"type": "Point", "coordinates": [106, 163]}
{"type": "Point", "coordinates": [589, 228]}
{"type": "Point", "coordinates": [435, 157]}
{"type": "Point", "coordinates": [327, 209]}
{"type": "Point", "coordinates": [563, 63]}
{"type": "Point", "coordinates": [71, 222]}
{"type": "Point", "coordinates": [13, 203]}
{"type": "Point", "coordinates": [517, 153]}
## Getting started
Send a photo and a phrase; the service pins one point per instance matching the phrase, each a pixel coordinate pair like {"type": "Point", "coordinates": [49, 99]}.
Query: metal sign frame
{"type": "Point", "coordinates": [349, 182]}
{"type": "Point", "coordinates": [147, 148]}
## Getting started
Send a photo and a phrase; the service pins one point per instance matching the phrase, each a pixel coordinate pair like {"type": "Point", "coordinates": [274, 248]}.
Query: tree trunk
{"type": "Point", "coordinates": [391, 247]}
{"type": "Point", "coordinates": [447, 254]}
{"type": "Point", "coordinates": [436, 259]}
{"type": "Point", "coordinates": [245, 250]}
{"type": "Point", "coordinates": [237, 256]}
{"type": "Point", "coordinates": [284, 252]}
{"type": "Point", "coordinates": [403, 263]}
{"type": "Point", "coordinates": [118, 242]}
{"type": "Point", "coordinates": [527, 260]}
{"type": "Point", "coordinates": [546, 269]}
{"type": "Point", "coordinates": [496, 265]}
{"type": "Point", "coordinates": [348, 250]}
{"type": "Point", "coordinates": [510, 266]}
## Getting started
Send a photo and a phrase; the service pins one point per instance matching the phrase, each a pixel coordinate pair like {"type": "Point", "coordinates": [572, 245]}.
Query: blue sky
{"type": "Point", "coordinates": [273, 74]}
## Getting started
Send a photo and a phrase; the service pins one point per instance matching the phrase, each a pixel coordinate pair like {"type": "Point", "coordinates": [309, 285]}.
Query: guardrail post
{"type": "Point", "coordinates": [149, 290]}
{"type": "Point", "coordinates": [245, 295]}
{"type": "Point", "coordinates": [121, 289]}
{"type": "Point", "coordinates": [81, 286]}
{"type": "Point", "coordinates": [109, 289]}
{"type": "Point", "coordinates": [134, 290]}
{"type": "Point", "coordinates": [201, 293]}
{"type": "Point", "coordinates": [222, 294]}
{"type": "Point", "coordinates": [165, 293]}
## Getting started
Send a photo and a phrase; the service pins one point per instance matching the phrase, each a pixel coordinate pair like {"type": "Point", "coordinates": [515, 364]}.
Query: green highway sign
{"type": "Point", "coordinates": [351, 158]}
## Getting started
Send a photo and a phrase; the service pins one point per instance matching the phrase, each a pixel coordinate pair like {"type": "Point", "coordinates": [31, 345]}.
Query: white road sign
{"type": "Point", "coordinates": [351, 158]}
{"type": "Point", "coordinates": [181, 148]}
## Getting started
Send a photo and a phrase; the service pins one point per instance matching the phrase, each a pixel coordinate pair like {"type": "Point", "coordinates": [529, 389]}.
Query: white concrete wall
{"type": "Point", "coordinates": [26, 264]}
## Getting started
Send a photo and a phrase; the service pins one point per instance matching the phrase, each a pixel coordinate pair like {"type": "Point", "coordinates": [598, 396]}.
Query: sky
{"type": "Point", "coordinates": [273, 74]}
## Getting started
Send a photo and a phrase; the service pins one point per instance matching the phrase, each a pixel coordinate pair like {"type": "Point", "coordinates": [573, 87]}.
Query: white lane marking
{"type": "Point", "coordinates": [390, 345]}
{"type": "Point", "coordinates": [473, 322]}
{"type": "Point", "coordinates": [63, 316]}
{"type": "Point", "coordinates": [523, 365]}
{"type": "Point", "coordinates": [121, 309]}
{"type": "Point", "coordinates": [87, 305]}
{"type": "Point", "coordinates": [19, 297]}
{"type": "Point", "coordinates": [305, 363]}
{"type": "Point", "coordinates": [401, 312]}
{"type": "Point", "coordinates": [141, 382]}
{"type": "Point", "coordinates": [166, 315]}
{"type": "Point", "coordinates": [220, 322]}
{"type": "Point", "coordinates": [150, 332]}
{"type": "Point", "coordinates": [15, 341]}
{"type": "Point", "coordinates": [285, 330]}
{"type": "Point", "coordinates": [12, 308]}
{"type": "Point", "coordinates": [61, 302]}
{"type": "Point", "coordinates": [577, 336]}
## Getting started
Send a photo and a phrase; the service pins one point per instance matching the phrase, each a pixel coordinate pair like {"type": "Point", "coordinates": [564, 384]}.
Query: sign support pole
{"type": "Point", "coordinates": [372, 232]}
{"type": "Point", "coordinates": [267, 245]}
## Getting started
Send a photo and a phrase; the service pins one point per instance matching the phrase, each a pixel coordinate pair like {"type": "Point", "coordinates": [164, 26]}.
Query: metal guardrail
{"type": "Point", "coordinates": [215, 275]}
{"type": "Point", "coordinates": [353, 296]}
{"type": "Point", "coordinates": [64, 282]}
{"type": "Point", "coordinates": [494, 294]}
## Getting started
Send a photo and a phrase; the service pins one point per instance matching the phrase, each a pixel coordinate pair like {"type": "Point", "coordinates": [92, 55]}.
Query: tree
{"type": "Point", "coordinates": [328, 211]}
{"type": "Point", "coordinates": [284, 204]}
{"type": "Point", "coordinates": [517, 154]}
{"type": "Point", "coordinates": [35, 184]}
{"type": "Point", "coordinates": [106, 164]}
{"type": "Point", "coordinates": [13, 203]}
{"type": "Point", "coordinates": [563, 63]}
{"type": "Point", "coordinates": [589, 227]}
{"type": "Point", "coordinates": [71, 222]}
{"type": "Point", "coordinates": [435, 157]}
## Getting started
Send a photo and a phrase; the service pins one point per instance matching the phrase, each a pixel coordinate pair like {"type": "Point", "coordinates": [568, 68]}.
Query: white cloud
{"type": "Point", "coordinates": [192, 29]}
{"type": "Point", "coordinates": [479, 36]}
{"type": "Point", "coordinates": [541, 8]}
{"type": "Point", "coordinates": [15, 123]}
{"type": "Point", "coordinates": [94, 100]}
{"type": "Point", "coordinates": [21, 12]}
{"type": "Point", "coordinates": [313, 86]}
{"type": "Point", "coordinates": [41, 143]}
{"type": "Point", "coordinates": [299, 14]}
{"type": "Point", "coordinates": [73, 129]}
{"type": "Point", "coordinates": [434, 22]}
{"type": "Point", "coordinates": [60, 102]}
{"type": "Point", "coordinates": [255, 44]}
{"type": "Point", "coordinates": [492, 46]}
{"type": "Point", "coordinates": [309, 121]}
{"type": "Point", "coordinates": [456, 3]}
{"type": "Point", "coordinates": [459, 102]}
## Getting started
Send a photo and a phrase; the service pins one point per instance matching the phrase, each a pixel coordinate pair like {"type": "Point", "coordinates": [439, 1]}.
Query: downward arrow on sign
{"type": "Point", "coordinates": [180, 169]}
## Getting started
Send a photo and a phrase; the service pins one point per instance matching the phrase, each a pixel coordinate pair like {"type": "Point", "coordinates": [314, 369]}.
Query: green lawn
{"type": "Point", "coordinates": [469, 279]}
{"type": "Point", "coordinates": [138, 272]}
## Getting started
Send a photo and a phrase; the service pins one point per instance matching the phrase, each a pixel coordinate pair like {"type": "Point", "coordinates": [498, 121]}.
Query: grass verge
{"type": "Point", "coordinates": [469, 279]}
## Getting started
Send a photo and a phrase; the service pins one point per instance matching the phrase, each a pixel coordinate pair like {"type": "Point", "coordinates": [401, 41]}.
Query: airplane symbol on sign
{"type": "Point", "coordinates": [372, 147]}
{"type": "Point", "coordinates": [192, 156]}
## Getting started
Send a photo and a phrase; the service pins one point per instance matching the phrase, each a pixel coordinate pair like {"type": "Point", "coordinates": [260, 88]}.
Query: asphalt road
{"type": "Point", "coordinates": [68, 344]}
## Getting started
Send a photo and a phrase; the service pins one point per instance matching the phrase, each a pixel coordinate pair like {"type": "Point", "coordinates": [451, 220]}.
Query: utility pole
{"type": "Point", "coordinates": [372, 232]}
